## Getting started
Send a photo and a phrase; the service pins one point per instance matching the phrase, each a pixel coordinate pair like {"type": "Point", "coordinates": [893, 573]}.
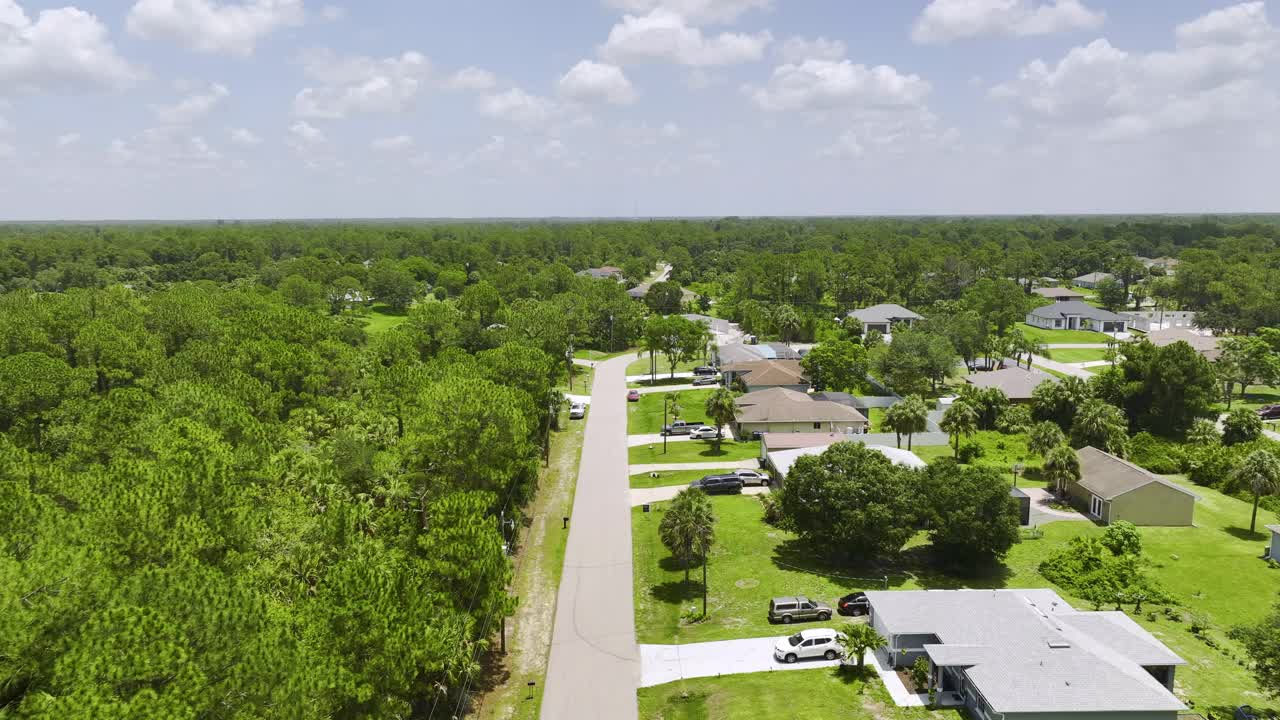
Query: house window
{"type": "Point", "coordinates": [817, 426]}
{"type": "Point", "coordinates": [1057, 323]}
{"type": "Point", "coordinates": [1095, 506]}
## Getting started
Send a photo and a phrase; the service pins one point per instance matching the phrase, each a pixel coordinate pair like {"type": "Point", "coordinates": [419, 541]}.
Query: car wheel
{"type": "Point", "coordinates": [791, 658]}
{"type": "Point", "coordinates": [831, 655]}
{"type": "Point", "coordinates": [764, 483]}
{"type": "Point", "coordinates": [786, 619]}
{"type": "Point", "coordinates": [824, 616]}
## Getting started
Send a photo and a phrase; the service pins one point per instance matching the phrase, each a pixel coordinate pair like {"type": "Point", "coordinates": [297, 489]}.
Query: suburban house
{"type": "Point", "coordinates": [1168, 264]}
{"type": "Point", "coordinates": [608, 272]}
{"type": "Point", "coordinates": [1076, 315]}
{"type": "Point", "coordinates": [779, 410]}
{"type": "Point", "coordinates": [838, 397]}
{"type": "Point", "coordinates": [1206, 345]}
{"type": "Point", "coordinates": [766, 374]}
{"type": "Point", "coordinates": [1273, 549]}
{"type": "Point", "coordinates": [1027, 655]}
{"type": "Point", "coordinates": [781, 461]}
{"type": "Point", "coordinates": [743, 353]}
{"type": "Point", "coordinates": [884, 318]}
{"type": "Point", "coordinates": [1113, 489]}
{"type": "Point", "coordinates": [1058, 294]}
{"type": "Point", "coordinates": [1017, 384]}
{"type": "Point", "coordinates": [1149, 320]}
{"type": "Point", "coordinates": [1092, 279]}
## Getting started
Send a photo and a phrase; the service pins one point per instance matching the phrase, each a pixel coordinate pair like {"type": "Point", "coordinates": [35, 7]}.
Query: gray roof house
{"type": "Point", "coordinates": [608, 272]}
{"type": "Point", "coordinates": [1017, 384]}
{"type": "Point", "coordinates": [1027, 654]}
{"type": "Point", "coordinates": [1113, 489]}
{"type": "Point", "coordinates": [1092, 279]}
{"type": "Point", "coordinates": [781, 410]}
{"type": "Point", "coordinates": [1075, 315]}
{"type": "Point", "coordinates": [741, 353]}
{"type": "Point", "coordinates": [884, 317]}
{"type": "Point", "coordinates": [1057, 294]}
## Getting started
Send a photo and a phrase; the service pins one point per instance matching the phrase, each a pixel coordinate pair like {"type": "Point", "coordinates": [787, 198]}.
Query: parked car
{"type": "Point", "coordinates": [718, 485]}
{"type": "Point", "coordinates": [706, 380]}
{"type": "Point", "coordinates": [752, 477]}
{"type": "Point", "coordinates": [855, 604]}
{"type": "Point", "coordinates": [809, 644]}
{"type": "Point", "coordinates": [577, 411]}
{"type": "Point", "coordinates": [678, 427]}
{"type": "Point", "coordinates": [704, 432]}
{"type": "Point", "coordinates": [787, 610]}
{"type": "Point", "coordinates": [1269, 412]}
{"type": "Point", "coordinates": [633, 396]}
{"type": "Point", "coordinates": [704, 370]}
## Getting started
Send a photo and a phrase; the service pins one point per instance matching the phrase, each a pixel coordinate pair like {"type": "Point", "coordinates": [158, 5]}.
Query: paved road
{"type": "Point", "coordinates": [595, 664]}
{"type": "Point", "coordinates": [668, 663]}
{"type": "Point", "coordinates": [1064, 368]}
{"type": "Point", "coordinates": [640, 496]}
{"type": "Point", "coordinates": [751, 464]}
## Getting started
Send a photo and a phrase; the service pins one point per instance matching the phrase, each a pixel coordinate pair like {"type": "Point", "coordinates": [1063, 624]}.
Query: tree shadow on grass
{"type": "Point", "coordinates": [671, 564]}
{"type": "Point", "coordinates": [676, 591]}
{"type": "Point", "coordinates": [1241, 533]}
{"type": "Point", "coordinates": [852, 675]}
{"type": "Point", "coordinates": [919, 563]}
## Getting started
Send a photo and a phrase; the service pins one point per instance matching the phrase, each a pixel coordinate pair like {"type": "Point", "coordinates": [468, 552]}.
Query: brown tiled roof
{"type": "Point", "coordinates": [1015, 383]}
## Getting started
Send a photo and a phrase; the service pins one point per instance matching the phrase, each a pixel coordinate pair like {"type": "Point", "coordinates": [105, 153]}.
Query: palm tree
{"type": "Point", "coordinates": [1044, 437]}
{"type": "Point", "coordinates": [1061, 467]}
{"type": "Point", "coordinates": [1203, 432]}
{"type": "Point", "coordinates": [787, 321]}
{"type": "Point", "coordinates": [1102, 426]}
{"type": "Point", "coordinates": [959, 419]}
{"type": "Point", "coordinates": [1023, 343]}
{"type": "Point", "coordinates": [1260, 472]}
{"type": "Point", "coordinates": [908, 417]}
{"type": "Point", "coordinates": [722, 410]}
{"type": "Point", "coordinates": [857, 639]}
{"type": "Point", "coordinates": [688, 530]}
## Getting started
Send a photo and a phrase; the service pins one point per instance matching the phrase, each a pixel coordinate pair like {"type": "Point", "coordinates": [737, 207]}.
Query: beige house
{"type": "Point", "coordinates": [1111, 489]}
{"type": "Point", "coordinates": [1206, 345]}
{"type": "Point", "coordinates": [766, 374]}
{"type": "Point", "coordinates": [779, 410]}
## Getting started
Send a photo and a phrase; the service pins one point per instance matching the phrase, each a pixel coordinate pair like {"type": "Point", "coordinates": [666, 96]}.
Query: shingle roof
{"type": "Point", "coordinates": [1095, 277]}
{"type": "Point", "coordinates": [791, 441]}
{"type": "Point", "coordinates": [1028, 651]}
{"type": "Point", "coordinates": [1058, 293]}
{"type": "Point", "coordinates": [1015, 383]}
{"type": "Point", "coordinates": [1075, 307]}
{"type": "Point", "coordinates": [1108, 476]}
{"type": "Point", "coordinates": [782, 460]}
{"type": "Point", "coordinates": [790, 406]}
{"type": "Point", "coordinates": [1206, 345]}
{"type": "Point", "coordinates": [885, 312]}
{"type": "Point", "coordinates": [770, 395]}
{"type": "Point", "coordinates": [741, 353]}
{"type": "Point", "coordinates": [717, 325]}
{"type": "Point", "coordinates": [769, 372]}
{"type": "Point", "coordinates": [1273, 528]}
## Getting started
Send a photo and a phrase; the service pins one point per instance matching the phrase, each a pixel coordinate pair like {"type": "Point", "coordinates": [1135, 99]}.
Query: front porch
{"type": "Point", "coordinates": [879, 659]}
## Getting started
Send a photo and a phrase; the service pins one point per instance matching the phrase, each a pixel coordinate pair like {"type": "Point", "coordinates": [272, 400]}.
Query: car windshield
{"type": "Point", "coordinates": [795, 640]}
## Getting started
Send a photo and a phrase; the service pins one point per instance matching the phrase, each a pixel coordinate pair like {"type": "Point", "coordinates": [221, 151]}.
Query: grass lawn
{"type": "Point", "coordinates": [1055, 373]}
{"type": "Point", "coordinates": [1077, 355]}
{"type": "Point", "coordinates": [382, 318]}
{"type": "Point", "coordinates": [819, 694]}
{"type": "Point", "coordinates": [1256, 398]}
{"type": "Point", "coordinates": [645, 416]}
{"type": "Point", "coordinates": [999, 450]}
{"type": "Point", "coordinates": [663, 381]}
{"type": "Point", "coordinates": [1205, 568]}
{"type": "Point", "coordinates": [673, 477]}
{"type": "Point", "coordinates": [694, 451]}
{"type": "Point", "coordinates": [583, 377]}
{"type": "Point", "coordinates": [641, 365]}
{"type": "Point", "coordinates": [1050, 337]}
{"type": "Point", "coordinates": [876, 416]}
{"type": "Point", "coordinates": [600, 354]}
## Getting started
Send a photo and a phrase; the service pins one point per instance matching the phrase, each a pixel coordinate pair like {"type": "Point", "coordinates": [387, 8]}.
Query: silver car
{"type": "Point", "coordinates": [808, 644]}
{"type": "Point", "coordinates": [753, 477]}
{"type": "Point", "coordinates": [577, 411]}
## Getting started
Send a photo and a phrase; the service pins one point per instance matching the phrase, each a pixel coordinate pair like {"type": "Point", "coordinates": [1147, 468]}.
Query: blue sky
{"type": "Point", "coordinates": [191, 109]}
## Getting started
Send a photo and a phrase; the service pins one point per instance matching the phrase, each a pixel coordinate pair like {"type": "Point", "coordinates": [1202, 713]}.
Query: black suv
{"type": "Point", "coordinates": [1269, 412]}
{"type": "Point", "coordinates": [719, 484]}
{"type": "Point", "coordinates": [704, 370]}
{"type": "Point", "coordinates": [853, 604]}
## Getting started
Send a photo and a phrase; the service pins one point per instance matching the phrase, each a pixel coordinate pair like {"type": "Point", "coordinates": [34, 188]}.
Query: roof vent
{"type": "Point", "coordinates": [1059, 644]}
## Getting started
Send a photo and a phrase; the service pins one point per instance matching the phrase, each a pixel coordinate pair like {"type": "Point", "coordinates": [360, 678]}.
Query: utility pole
{"type": "Point", "coordinates": [665, 430]}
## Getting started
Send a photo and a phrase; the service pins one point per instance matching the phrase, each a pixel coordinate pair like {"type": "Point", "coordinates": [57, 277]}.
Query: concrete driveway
{"type": "Point", "coordinates": [661, 376]}
{"type": "Point", "coordinates": [671, 388]}
{"type": "Point", "coordinates": [668, 467]}
{"type": "Point", "coordinates": [640, 496]}
{"type": "Point", "coordinates": [1041, 513]}
{"type": "Point", "coordinates": [667, 663]}
{"type": "Point", "coordinates": [653, 439]}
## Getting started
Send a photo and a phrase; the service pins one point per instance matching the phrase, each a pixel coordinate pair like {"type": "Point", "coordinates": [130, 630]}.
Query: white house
{"type": "Point", "coordinates": [1075, 315]}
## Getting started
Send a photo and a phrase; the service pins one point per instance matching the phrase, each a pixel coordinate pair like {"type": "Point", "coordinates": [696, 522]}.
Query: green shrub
{"type": "Point", "coordinates": [971, 452]}
{"type": "Point", "coordinates": [920, 672]}
{"type": "Point", "coordinates": [1157, 454]}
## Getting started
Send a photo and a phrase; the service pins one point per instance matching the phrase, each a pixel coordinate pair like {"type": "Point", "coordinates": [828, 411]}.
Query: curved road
{"type": "Point", "coordinates": [594, 668]}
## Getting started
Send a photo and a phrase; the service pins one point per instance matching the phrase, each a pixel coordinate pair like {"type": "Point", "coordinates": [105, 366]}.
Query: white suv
{"type": "Point", "coordinates": [808, 644]}
{"type": "Point", "coordinates": [752, 477]}
{"type": "Point", "coordinates": [705, 432]}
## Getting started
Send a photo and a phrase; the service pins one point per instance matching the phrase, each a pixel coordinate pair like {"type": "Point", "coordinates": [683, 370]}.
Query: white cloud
{"type": "Point", "coordinates": [697, 11]}
{"type": "Point", "coordinates": [485, 155]}
{"type": "Point", "coordinates": [359, 84]}
{"type": "Point", "coordinates": [520, 108]}
{"type": "Point", "coordinates": [828, 85]}
{"type": "Point", "coordinates": [193, 107]}
{"type": "Point", "coordinates": [303, 134]}
{"type": "Point", "coordinates": [66, 140]}
{"type": "Point", "coordinates": [471, 78]}
{"type": "Point", "coordinates": [892, 133]}
{"type": "Point", "coordinates": [597, 82]}
{"type": "Point", "coordinates": [663, 36]}
{"type": "Point", "coordinates": [164, 148]}
{"type": "Point", "coordinates": [245, 137]}
{"type": "Point", "coordinates": [332, 13]}
{"type": "Point", "coordinates": [1213, 80]}
{"type": "Point", "coordinates": [392, 144]}
{"type": "Point", "coordinates": [798, 49]}
{"type": "Point", "coordinates": [7, 151]}
{"type": "Point", "coordinates": [946, 20]}
{"type": "Point", "coordinates": [210, 26]}
{"type": "Point", "coordinates": [63, 50]}
{"type": "Point", "coordinates": [646, 135]}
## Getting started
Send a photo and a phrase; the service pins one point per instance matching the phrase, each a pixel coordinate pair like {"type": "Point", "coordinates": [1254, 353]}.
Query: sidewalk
{"type": "Point", "coordinates": [1064, 368]}
{"type": "Point", "coordinates": [642, 496]}
{"type": "Point", "coordinates": [751, 464]}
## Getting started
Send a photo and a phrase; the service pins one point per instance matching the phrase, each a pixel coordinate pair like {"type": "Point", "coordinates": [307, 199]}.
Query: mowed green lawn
{"type": "Point", "coordinates": [645, 416]}
{"type": "Point", "coordinates": [672, 477]}
{"type": "Point", "coordinates": [693, 451]}
{"type": "Point", "coordinates": [1211, 569]}
{"type": "Point", "coordinates": [641, 365]}
{"type": "Point", "coordinates": [818, 694]}
{"type": "Point", "coordinates": [382, 318]}
{"type": "Point", "coordinates": [1256, 398]}
{"type": "Point", "coordinates": [1050, 337]}
{"type": "Point", "coordinates": [1077, 355]}
{"type": "Point", "coordinates": [999, 451]}
{"type": "Point", "coordinates": [600, 354]}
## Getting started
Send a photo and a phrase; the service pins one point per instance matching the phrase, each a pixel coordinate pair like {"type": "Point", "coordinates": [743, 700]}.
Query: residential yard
{"type": "Point", "coordinates": [1055, 373]}
{"type": "Point", "coordinates": [600, 354]}
{"type": "Point", "coordinates": [662, 381]}
{"type": "Point", "coordinates": [1255, 398]}
{"type": "Point", "coordinates": [1077, 355]}
{"type": "Point", "coordinates": [998, 451]}
{"type": "Point", "coordinates": [819, 694]}
{"type": "Point", "coordinates": [876, 416]}
{"type": "Point", "coordinates": [645, 416]}
{"type": "Point", "coordinates": [583, 378]}
{"type": "Point", "coordinates": [641, 365]}
{"type": "Point", "coordinates": [1203, 568]}
{"type": "Point", "coordinates": [694, 451]}
{"type": "Point", "coordinates": [381, 318]}
{"type": "Point", "coordinates": [1051, 337]}
{"type": "Point", "coordinates": [673, 477]}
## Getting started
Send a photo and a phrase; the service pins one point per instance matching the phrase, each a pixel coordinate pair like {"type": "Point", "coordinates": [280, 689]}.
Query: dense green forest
{"type": "Point", "coordinates": [223, 496]}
